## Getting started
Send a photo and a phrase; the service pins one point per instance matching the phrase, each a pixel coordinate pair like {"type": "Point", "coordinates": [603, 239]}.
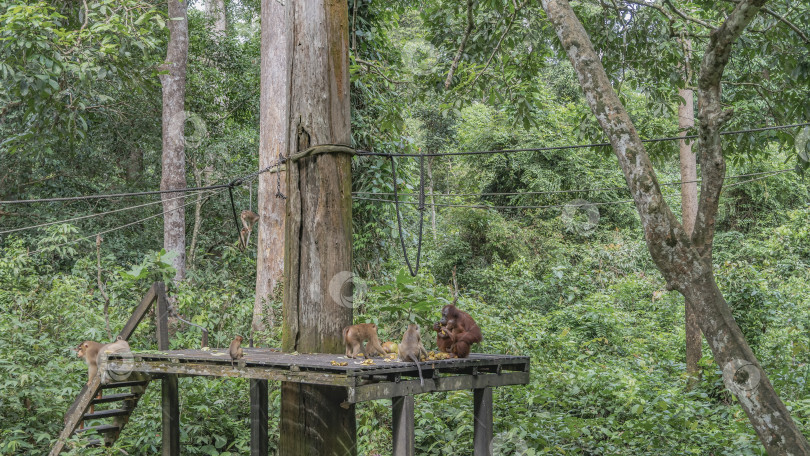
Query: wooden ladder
{"type": "Point", "coordinates": [83, 409]}
{"type": "Point", "coordinates": [91, 393]}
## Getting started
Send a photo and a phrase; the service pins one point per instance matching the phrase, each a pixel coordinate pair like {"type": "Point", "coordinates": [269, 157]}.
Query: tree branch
{"type": "Point", "coordinates": [712, 117]}
{"type": "Point", "coordinates": [783, 19]}
{"type": "Point", "coordinates": [659, 8]}
{"type": "Point", "coordinates": [460, 51]}
{"type": "Point", "coordinates": [377, 70]}
{"type": "Point", "coordinates": [665, 235]}
{"type": "Point", "coordinates": [497, 46]}
{"type": "Point", "coordinates": [689, 18]}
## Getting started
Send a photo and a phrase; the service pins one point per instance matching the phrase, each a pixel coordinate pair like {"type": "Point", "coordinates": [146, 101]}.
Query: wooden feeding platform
{"type": "Point", "coordinates": [365, 382]}
{"type": "Point", "coordinates": [395, 380]}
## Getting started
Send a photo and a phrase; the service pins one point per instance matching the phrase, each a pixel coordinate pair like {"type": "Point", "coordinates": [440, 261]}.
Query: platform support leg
{"type": "Point", "coordinates": [482, 439]}
{"type": "Point", "coordinates": [171, 416]}
{"type": "Point", "coordinates": [402, 408]}
{"type": "Point", "coordinates": [258, 417]}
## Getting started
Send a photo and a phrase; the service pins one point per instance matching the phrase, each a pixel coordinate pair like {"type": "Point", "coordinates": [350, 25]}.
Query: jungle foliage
{"type": "Point", "coordinates": [80, 114]}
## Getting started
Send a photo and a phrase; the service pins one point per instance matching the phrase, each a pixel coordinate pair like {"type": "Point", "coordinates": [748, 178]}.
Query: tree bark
{"type": "Point", "coordinates": [686, 120]}
{"type": "Point", "coordinates": [216, 9]}
{"type": "Point", "coordinates": [274, 122]}
{"type": "Point", "coordinates": [318, 231]}
{"type": "Point", "coordinates": [173, 161]}
{"type": "Point", "coordinates": [685, 261]}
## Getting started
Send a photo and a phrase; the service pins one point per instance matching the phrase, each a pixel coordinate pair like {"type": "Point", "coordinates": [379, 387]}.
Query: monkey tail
{"type": "Point", "coordinates": [419, 368]}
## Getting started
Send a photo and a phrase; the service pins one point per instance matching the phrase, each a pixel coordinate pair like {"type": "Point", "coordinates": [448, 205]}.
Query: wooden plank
{"type": "Point", "coordinates": [162, 316]}
{"type": "Point", "coordinates": [139, 313]}
{"type": "Point", "coordinates": [402, 408]}
{"type": "Point", "coordinates": [323, 362]}
{"type": "Point", "coordinates": [238, 371]}
{"type": "Point", "coordinates": [75, 414]}
{"type": "Point", "coordinates": [105, 414]}
{"type": "Point", "coordinates": [385, 390]}
{"type": "Point", "coordinates": [258, 417]}
{"type": "Point", "coordinates": [482, 413]}
{"type": "Point", "coordinates": [171, 416]}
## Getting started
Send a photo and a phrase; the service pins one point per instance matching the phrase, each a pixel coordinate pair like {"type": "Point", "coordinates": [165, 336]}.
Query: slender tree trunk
{"type": "Point", "coordinates": [195, 232]}
{"type": "Point", "coordinates": [274, 122]}
{"type": "Point", "coordinates": [318, 234]}
{"type": "Point", "coordinates": [686, 261]}
{"type": "Point", "coordinates": [134, 165]}
{"type": "Point", "coordinates": [689, 206]}
{"type": "Point", "coordinates": [467, 31]}
{"type": "Point", "coordinates": [216, 9]}
{"type": "Point", "coordinates": [174, 164]}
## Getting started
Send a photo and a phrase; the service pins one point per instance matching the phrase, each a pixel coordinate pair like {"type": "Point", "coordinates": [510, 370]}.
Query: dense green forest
{"type": "Point", "coordinates": [543, 247]}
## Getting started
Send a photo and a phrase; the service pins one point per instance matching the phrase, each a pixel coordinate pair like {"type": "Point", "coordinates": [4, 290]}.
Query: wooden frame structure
{"type": "Point", "coordinates": [91, 392]}
{"type": "Point", "coordinates": [397, 381]}
{"type": "Point", "coordinates": [392, 380]}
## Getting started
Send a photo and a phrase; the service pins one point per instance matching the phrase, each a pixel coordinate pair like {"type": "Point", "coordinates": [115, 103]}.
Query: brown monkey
{"type": "Point", "coordinates": [249, 218]}
{"type": "Point", "coordinates": [411, 348]}
{"type": "Point", "coordinates": [119, 346]}
{"type": "Point", "coordinates": [235, 350]}
{"type": "Point", "coordinates": [89, 351]}
{"type": "Point", "coordinates": [463, 331]}
{"type": "Point", "coordinates": [244, 239]}
{"type": "Point", "coordinates": [355, 335]}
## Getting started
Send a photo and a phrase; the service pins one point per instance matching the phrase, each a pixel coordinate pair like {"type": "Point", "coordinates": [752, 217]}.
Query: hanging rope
{"type": "Point", "coordinates": [281, 159]}
{"type": "Point", "coordinates": [421, 209]}
{"type": "Point", "coordinates": [233, 207]}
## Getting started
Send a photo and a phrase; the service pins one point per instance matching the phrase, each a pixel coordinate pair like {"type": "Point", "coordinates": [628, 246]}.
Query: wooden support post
{"type": "Point", "coordinates": [482, 439]}
{"type": "Point", "coordinates": [171, 416]}
{"type": "Point", "coordinates": [162, 317]}
{"type": "Point", "coordinates": [169, 387]}
{"type": "Point", "coordinates": [258, 417]}
{"type": "Point", "coordinates": [402, 408]}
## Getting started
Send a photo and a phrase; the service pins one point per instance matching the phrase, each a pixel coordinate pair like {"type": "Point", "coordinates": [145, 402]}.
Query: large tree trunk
{"type": "Point", "coordinates": [689, 205]}
{"type": "Point", "coordinates": [274, 124]}
{"type": "Point", "coordinates": [174, 164]}
{"type": "Point", "coordinates": [686, 261]}
{"type": "Point", "coordinates": [318, 237]}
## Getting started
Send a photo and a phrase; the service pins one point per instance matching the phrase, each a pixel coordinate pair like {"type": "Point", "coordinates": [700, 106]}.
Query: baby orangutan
{"type": "Point", "coordinates": [355, 335]}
